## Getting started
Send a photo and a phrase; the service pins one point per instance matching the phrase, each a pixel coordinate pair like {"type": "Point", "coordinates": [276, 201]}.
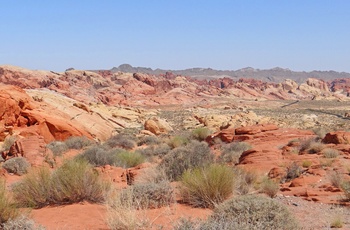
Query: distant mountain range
{"type": "Point", "coordinates": [269, 75]}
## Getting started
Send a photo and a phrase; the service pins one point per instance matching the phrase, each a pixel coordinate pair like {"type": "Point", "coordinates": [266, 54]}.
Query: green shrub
{"type": "Point", "coordinates": [178, 141]}
{"type": "Point", "coordinates": [73, 182]}
{"type": "Point", "coordinates": [208, 186]}
{"type": "Point", "coordinates": [7, 209]}
{"type": "Point", "coordinates": [77, 142]}
{"type": "Point", "coordinates": [151, 195]}
{"type": "Point", "coordinates": [57, 147]}
{"type": "Point", "coordinates": [306, 164]}
{"type": "Point", "coordinates": [129, 159]}
{"type": "Point", "coordinates": [121, 140]}
{"type": "Point", "coordinates": [16, 165]}
{"type": "Point", "coordinates": [178, 160]}
{"type": "Point", "coordinates": [231, 153]}
{"type": "Point", "coordinates": [330, 153]}
{"type": "Point", "coordinates": [251, 212]}
{"type": "Point", "coordinates": [201, 134]}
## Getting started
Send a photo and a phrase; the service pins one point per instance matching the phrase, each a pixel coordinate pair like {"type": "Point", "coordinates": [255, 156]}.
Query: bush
{"type": "Point", "coordinates": [336, 179]}
{"type": "Point", "coordinates": [251, 212]}
{"type": "Point", "coordinates": [149, 140]}
{"type": "Point", "coordinates": [21, 222]}
{"type": "Point", "coordinates": [178, 160]}
{"type": "Point", "coordinates": [232, 152]}
{"type": "Point", "coordinates": [57, 147]}
{"type": "Point", "coordinates": [8, 142]}
{"type": "Point", "coordinates": [73, 182]}
{"type": "Point", "coordinates": [269, 187]}
{"type": "Point", "coordinates": [201, 134]}
{"type": "Point", "coordinates": [99, 156]}
{"type": "Point", "coordinates": [293, 171]}
{"type": "Point", "coordinates": [151, 195]}
{"type": "Point", "coordinates": [244, 180]}
{"type": "Point", "coordinates": [311, 146]}
{"type": "Point", "coordinates": [129, 159]}
{"type": "Point", "coordinates": [7, 209]}
{"type": "Point", "coordinates": [121, 140]}
{"type": "Point", "coordinates": [330, 153]}
{"type": "Point", "coordinates": [206, 187]}
{"type": "Point", "coordinates": [155, 150]}
{"type": "Point", "coordinates": [345, 186]}
{"type": "Point", "coordinates": [178, 141]}
{"type": "Point", "coordinates": [16, 165]}
{"type": "Point", "coordinates": [306, 164]}
{"type": "Point", "coordinates": [77, 142]}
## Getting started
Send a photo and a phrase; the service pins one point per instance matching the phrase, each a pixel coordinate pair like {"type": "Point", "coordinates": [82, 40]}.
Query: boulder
{"type": "Point", "coordinates": [338, 137]}
{"type": "Point", "coordinates": [157, 126]}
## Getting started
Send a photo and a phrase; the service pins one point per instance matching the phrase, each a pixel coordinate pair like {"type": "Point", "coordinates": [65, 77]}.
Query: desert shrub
{"type": "Point", "coordinates": [151, 175]}
{"type": "Point", "coordinates": [77, 142]}
{"type": "Point", "coordinates": [149, 140]}
{"type": "Point", "coordinates": [151, 195]}
{"type": "Point", "coordinates": [7, 209]}
{"type": "Point", "coordinates": [21, 222]}
{"type": "Point", "coordinates": [345, 186]}
{"type": "Point", "coordinates": [73, 182]}
{"type": "Point", "coordinates": [34, 190]}
{"type": "Point", "coordinates": [330, 153]}
{"type": "Point", "coordinates": [269, 187]}
{"type": "Point", "coordinates": [231, 153]}
{"type": "Point", "coordinates": [122, 213]}
{"type": "Point", "coordinates": [121, 140]}
{"type": "Point", "coordinates": [155, 150]}
{"type": "Point", "coordinates": [336, 179]}
{"type": "Point", "coordinates": [250, 212]}
{"type": "Point", "coordinates": [320, 132]}
{"type": "Point", "coordinates": [244, 180]}
{"type": "Point", "coordinates": [178, 141]}
{"type": "Point", "coordinates": [208, 186]}
{"type": "Point", "coordinates": [98, 155]}
{"type": "Point", "coordinates": [311, 145]}
{"type": "Point", "coordinates": [57, 147]}
{"type": "Point", "coordinates": [337, 222]}
{"type": "Point", "coordinates": [201, 134]}
{"type": "Point", "coordinates": [16, 165]}
{"type": "Point", "coordinates": [129, 159]}
{"type": "Point", "coordinates": [293, 171]}
{"type": "Point", "coordinates": [178, 160]}
{"type": "Point", "coordinates": [306, 164]}
{"type": "Point", "coordinates": [8, 142]}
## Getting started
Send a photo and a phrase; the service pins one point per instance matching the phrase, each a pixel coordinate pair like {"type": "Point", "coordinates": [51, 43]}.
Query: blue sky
{"type": "Point", "coordinates": [56, 35]}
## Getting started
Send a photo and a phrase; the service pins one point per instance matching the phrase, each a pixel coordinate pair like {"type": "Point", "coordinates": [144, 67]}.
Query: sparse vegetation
{"type": "Point", "coordinates": [206, 187]}
{"type": "Point", "coordinates": [269, 187]}
{"type": "Point", "coordinates": [306, 164]}
{"type": "Point", "coordinates": [121, 140]}
{"type": "Point", "coordinates": [73, 182]}
{"type": "Point", "coordinates": [98, 155]}
{"type": "Point", "coordinates": [155, 150]}
{"type": "Point", "coordinates": [345, 186]}
{"type": "Point", "coordinates": [7, 208]}
{"type": "Point", "coordinates": [57, 147]}
{"type": "Point", "coordinates": [293, 171]}
{"type": "Point", "coordinates": [16, 165]}
{"type": "Point", "coordinates": [129, 159]}
{"type": "Point", "coordinates": [201, 134]}
{"type": "Point", "coordinates": [244, 180]}
{"type": "Point", "coordinates": [232, 152]}
{"type": "Point", "coordinates": [149, 140]}
{"type": "Point", "coordinates": [178, 160]}
{"type": "Point", "coordinates": [178, 141]}
{"type": "Point", "coordinates": [77, 142]}
{"type": "Point", "coordinates": [337, 222]}
{"type": "Point", "coordinates": [8, 142]}
{"type": "Point", "coordinates": [21, 222]}
{"type": "Point", "coordinates": [330, 153]}
{"type": "Point", "coordinates": [311, 146]}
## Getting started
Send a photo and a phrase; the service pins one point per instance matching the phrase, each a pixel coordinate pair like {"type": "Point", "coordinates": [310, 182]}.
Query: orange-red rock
{"type": "Point", "coordinates": [338, 137]}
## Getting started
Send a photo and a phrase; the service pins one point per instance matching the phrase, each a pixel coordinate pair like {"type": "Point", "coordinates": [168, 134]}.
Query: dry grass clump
{"type": "Point", "coordinates": [195, 154]}
{"type": "Point", "coordinates": [73, 182]}
{"type": "Point", "coordinates": [336, 179]}
{"type": "Point", "coordinates": [293, 171]}
{"type": "Point", "coordinates": [244, 180]}
{"type": "Point", "coordinates": [330, 153]}
{"type": "Point", "coordinates": [129, 159]}
{"type": "Point", "coordinates": [178, 141]}
{"type": "Point", "coordinates": [306, 164]}
{"type": "Point", "coordinates": [150, 195]}
{"type": "Point", "coordinates": [8, 142]}
{"type": "Point", "coordinates": [7, 208]}
{"type": "Point", "coordinates": [201, 134]}
{"type": "Point", "coordinates": [21, 222]}
{"type": "Point", "coordinates": [311, 145]}
{"type": "Point", "coordinates": [57, 147]}
{"type": "Point", "coordinates": [345, 186]}
{"type": "Point", "coordinates": [231, 152]}
{"type": "Point", "coordinates": [155, 150]}
{"type": "Point", "coordinates": [98, 155]}
{"type": "Point", "coordinates": [122, 213]}
{"type": "Point", "coordinates": [269, 187]}
{"type": "Point", "coordinates": [16, 165]}
{"type": "Point", "coordinates": [208, 186]}
{"type": "Point", "coordinates": [77, 142]}
{"type": "Point", "coordinates": [149, 140]}
{"type": "Point", "coordinates": [121, 140]}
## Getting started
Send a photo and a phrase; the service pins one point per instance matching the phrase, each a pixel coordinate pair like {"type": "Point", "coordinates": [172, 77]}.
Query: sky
{"type": "Point", "coordinates": [220, 34]}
